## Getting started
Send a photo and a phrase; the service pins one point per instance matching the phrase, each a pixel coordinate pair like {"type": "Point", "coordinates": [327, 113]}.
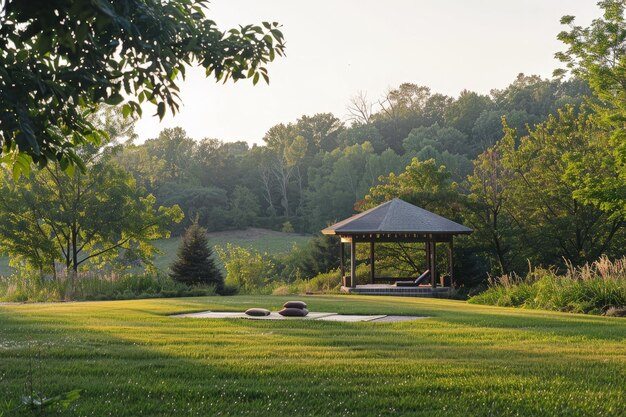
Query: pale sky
{"type": "Point", "coordinates": [337, 48]}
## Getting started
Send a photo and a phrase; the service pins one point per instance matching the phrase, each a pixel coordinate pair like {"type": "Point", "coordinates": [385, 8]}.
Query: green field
{"type": "Point", "coordinates": [130, 359]}
{"type": "Point", "coordinates": [262, 240]}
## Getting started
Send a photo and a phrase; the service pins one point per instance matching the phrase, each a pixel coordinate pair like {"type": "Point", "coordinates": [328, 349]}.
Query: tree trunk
{"type": "Point", "coordinates": [74, 248]}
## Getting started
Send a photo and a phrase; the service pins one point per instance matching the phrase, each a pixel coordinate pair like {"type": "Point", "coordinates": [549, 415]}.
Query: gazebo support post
{"type": "Point", "coordinates": [433, 263]}
{"type": "Point", "coordinates": [372, 268]}
{"type": "Point", "coordinates": [442, 278]}
{"type": "Point", "coordinates": [352, 263]}
{"type": "Point", "coordinates": [428, 265]}
{"type": "Point", "coordinates": [342, 266]}
{"type": "Point", "coordinates": [451, 263]}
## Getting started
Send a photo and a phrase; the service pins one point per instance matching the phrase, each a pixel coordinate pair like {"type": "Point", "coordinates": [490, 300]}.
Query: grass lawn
{"type": "Point", "coordinates": [130, 359]}
{"type": "Point", "coordinates": [263, 240]}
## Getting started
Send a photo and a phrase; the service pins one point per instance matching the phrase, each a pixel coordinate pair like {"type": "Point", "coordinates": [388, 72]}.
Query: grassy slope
{"type": "Point", "coordinates": [260, 239]}
{"type": "Point", "coordinates": [130, 359]}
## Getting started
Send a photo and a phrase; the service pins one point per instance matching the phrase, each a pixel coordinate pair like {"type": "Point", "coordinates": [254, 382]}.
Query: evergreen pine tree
{"type": "Point", "coordinates": [195, 263]}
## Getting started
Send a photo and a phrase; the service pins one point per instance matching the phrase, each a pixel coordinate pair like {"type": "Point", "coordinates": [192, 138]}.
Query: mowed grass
{"type": "Point", "coordinates": [129, 358]}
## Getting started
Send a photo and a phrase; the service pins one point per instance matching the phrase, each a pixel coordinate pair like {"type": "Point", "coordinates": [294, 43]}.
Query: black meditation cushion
{"type": "Point", "coordinates": [295, 304]}
{"type": "Point", "coordinates": [257, 312]}
{"type": "Point", "coordinates": [293, 312]}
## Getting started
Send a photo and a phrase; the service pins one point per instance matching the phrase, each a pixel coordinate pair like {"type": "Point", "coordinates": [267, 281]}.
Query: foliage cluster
{"type": "Point", "coordinates": [315, 169]}
{"type": "Point", "coordinates": [522, 199]}
{"type": "Point", "coordinates": [59, 61]}
{"type": "Point", "coordinates": [33, 287]}
{"type": "Point", "coordinates": [256, 271]}
{"type": "Point", "coordinates": [592, 288]}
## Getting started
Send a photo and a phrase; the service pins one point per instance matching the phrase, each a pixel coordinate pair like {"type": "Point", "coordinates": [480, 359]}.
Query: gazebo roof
{"type": "Point", "coordinates": [396, 216]}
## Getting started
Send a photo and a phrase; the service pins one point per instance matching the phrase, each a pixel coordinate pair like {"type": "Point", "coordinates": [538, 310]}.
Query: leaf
{"type": "Point", "coordinates": [16, 172]}
{"type": "Point", "coordinates": [126, 110]}
{"type": "Point", "coordinates": [115, 99]}
{"type": "Point", "coordinates": [161, 110]}
{"type": "Point", "coordinates": [71, 168]}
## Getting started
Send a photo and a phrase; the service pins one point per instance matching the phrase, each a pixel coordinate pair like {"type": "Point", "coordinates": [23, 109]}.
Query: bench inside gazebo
{"type": "Point", "coordinates": [397, 221]}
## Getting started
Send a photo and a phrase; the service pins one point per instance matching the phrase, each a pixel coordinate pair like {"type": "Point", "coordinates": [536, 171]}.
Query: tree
{"type": "Point", "coordinates": [487, 129]}
{"type": "Point", "coordinates": [426, 185]}
{"type": "Point", "coordinates": [176, 149]}
{"type": "Point", "coordinates": [195, 264]}
{"type": "Point", "coordinates": [318, 256]}
{"type": "Point", "coordinates": [489, 191]}
{"type": "Point", "coordinates": [59, 60]}
{"type": "Point", "coordinates": [244, 207]}
{"type": "Point", "coordinates": [208, 204]}
{"type": "Point", "coordinates": [286, 149]}
{"type": "Point", "coordinates": [320, 131]}
{"type": "Point", "coordinates": [550, 166]}
{"type": "Point", "coordinates": [422, 183]}
{"type": "Point", "coordinates": [360, 109]}
{"type": "Point", "coordinates": [598, 55]}
{"type": "Point", "coordinates": [361, 133]}
{"type": "Point", "coordinates": [463, 112]}
{"type": "Point", "coordinates": [337, 180]}
{"type": "Point", "coordinates": [405, 108]}
{"type": "Point", "coordinates": [441, 138]}
{"type": "Point", "coordinates": [77, 218]}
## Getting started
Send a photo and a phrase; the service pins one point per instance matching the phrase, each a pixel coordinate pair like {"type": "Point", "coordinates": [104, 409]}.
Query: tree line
{"type": "Point", "coordinates": [510, 164]}
{"type": "Point", "coordinates": [314, 170]}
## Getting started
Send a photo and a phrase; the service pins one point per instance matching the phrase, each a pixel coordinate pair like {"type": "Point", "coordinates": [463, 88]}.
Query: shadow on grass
{"type": "Point", "coordinates": [134, 360]}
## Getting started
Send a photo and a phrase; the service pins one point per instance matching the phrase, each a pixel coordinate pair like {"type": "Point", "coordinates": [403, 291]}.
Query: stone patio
{"type": "Point", "coordinates": [348, 318]}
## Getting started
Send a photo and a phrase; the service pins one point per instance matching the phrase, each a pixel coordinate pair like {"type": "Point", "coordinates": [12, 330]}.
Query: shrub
{"type": "Point", "coordinates": [287, 227]}
{"type": "Point", "coordinates": [249, 270]}
{"type": "Point", "coordinates": [595, 288]}
{"type": "Point", "coordinates": [195, 264]}
{"type": "Point", "coordinates": [328, 282]}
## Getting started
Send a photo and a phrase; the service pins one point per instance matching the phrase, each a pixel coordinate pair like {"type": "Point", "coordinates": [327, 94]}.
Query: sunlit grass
{"type": "Point", "coordinates": [131, 359]}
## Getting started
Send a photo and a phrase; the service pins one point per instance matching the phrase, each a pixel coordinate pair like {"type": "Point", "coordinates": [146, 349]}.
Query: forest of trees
{"type": "Point", "coordinates": [313, 170]}
{"type": "Point", "coordinates": [508, 164]}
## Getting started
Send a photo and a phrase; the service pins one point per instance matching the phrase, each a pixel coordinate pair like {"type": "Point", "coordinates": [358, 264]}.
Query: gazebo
{"type": "Point", "coordinates": [399, 222]}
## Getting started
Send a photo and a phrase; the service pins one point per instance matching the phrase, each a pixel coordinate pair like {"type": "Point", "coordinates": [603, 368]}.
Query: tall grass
{"type": "Point", "coordinates": [325, 283]}
{"type": "Point", "coordinates": [30, 287]}
{"type": "Point", "coordinates": [592, 288]}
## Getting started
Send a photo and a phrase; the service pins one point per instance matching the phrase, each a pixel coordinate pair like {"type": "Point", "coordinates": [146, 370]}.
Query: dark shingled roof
{"type": "Point", "coordinates": [396, 216]}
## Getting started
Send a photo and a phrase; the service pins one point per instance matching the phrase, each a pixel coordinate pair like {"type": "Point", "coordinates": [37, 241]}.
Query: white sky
{"type": "Point", "coordinates": [338, 48]}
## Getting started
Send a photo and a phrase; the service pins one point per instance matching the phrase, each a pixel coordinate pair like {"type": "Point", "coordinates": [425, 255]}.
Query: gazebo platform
{"type": "Point", "coordinates": [387, 289]}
